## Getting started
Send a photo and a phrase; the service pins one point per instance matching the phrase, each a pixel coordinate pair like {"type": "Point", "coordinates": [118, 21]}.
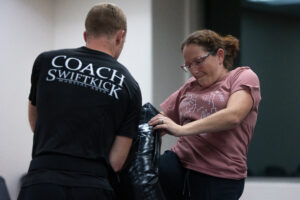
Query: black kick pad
{"type": "Point", "coordinates": [139, 179]}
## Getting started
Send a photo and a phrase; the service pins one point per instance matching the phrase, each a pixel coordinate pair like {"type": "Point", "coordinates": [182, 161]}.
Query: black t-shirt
{"type": "Point", "coordinates": [84, 99]}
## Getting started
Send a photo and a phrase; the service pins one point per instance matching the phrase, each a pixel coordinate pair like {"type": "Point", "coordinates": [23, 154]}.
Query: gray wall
{"type": "Point", "coordinates": [172, 21]}
{"type": "Point", "coordinates": [168, 32]}
{"type": "Point", "coordinates": [270, 44]}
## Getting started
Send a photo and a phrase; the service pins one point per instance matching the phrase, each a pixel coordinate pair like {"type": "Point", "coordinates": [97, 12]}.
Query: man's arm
{"type": "Point", "coordinates": [32, 115]}
{"type": "Point", "coordinates": [119, 152]}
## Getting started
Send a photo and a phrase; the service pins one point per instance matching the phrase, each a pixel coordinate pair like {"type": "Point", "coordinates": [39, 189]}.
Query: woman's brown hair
{"type": "Point", "coordinates": [212, 41]}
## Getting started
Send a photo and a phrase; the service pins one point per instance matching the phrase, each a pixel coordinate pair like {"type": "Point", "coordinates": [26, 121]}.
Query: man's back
{"type": "Point", "coordinates": [82, 98]}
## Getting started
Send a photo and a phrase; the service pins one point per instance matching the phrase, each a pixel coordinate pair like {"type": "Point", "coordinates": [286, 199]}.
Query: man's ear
{"type": "Point", "coordinates": [120, 36]}
{"type": "Point", "coordinates": [84, 36]}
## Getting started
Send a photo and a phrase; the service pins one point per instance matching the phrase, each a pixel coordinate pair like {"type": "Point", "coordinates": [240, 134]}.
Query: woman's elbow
{"type": "Point", "coordinates": [235, 121]}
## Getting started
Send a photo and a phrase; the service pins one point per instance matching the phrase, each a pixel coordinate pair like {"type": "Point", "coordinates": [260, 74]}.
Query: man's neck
{"type": "Point", "coordinates": [101, 44]}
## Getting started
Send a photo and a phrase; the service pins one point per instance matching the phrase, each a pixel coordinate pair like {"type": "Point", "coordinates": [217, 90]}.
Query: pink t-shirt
{"type": "Point", "coordinates": [221, 154]}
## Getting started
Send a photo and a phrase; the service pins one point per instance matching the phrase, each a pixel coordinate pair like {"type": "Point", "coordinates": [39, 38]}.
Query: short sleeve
{"type": "Point", "coordinates": [170, 106]}
{"type": "Point", "coordinates": [246, 79]}
{"type": "Point", "coordinates": [34, 79]}
{"type": "Point", "coordinates": [129, 126]}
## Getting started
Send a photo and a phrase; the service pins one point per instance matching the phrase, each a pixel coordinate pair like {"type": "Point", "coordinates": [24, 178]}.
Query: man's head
{"type": "Point", "coordinates": [105, 19]}
{"type": "Point", "coordinates": [108, 21]}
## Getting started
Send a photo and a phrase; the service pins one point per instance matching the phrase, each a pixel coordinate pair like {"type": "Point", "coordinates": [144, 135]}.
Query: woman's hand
{"type": "Point", "coordinates": [166, 124]}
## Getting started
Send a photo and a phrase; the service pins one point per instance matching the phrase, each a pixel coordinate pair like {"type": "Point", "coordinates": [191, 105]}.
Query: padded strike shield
{"type": "Point", "coordinates": [139, 179]}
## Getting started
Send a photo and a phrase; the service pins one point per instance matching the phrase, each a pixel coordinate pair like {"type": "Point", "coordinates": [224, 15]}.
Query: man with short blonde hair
{"type": "Point", "coordinates": [84, 110]}
{"type": "Point", "coordinates": [105, 19]}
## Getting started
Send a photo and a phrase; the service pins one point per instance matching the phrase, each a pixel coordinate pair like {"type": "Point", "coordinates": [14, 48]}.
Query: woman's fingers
{"type": "Point", "coordinates": [162, 122]}
{"type": "Point", "coordinates": [158, 119]}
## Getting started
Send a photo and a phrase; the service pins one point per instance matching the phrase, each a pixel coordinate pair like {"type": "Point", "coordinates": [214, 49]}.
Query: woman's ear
{"type": "Point", "coordinates": [220, 54]}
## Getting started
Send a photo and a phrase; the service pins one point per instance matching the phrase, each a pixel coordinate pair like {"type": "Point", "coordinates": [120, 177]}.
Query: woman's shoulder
{"type": "Point", "coordinates": [189, 83]}
{"type": "Point", "coordinates": [244, 75]}
{"type": "Point", "coordinates": [243, 71]}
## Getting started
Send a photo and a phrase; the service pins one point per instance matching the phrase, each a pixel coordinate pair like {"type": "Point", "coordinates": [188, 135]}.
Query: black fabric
{"type": "Point", "coordinates": [68, 171]}
{"type": "Point", "coordinates": [58, 192]}
{"type": "Point", "coordinates": [3, 190]}
{"type": "Point", "coordinates": [69, 163]}
{"type": "Point", "coordinates": [65, 178]}
{"type": "Point", "coordinates": [183, 184]}
{"type": "Point", "coordinates": [171, 176]}
{"type": "Point", "coordinates": [139, 179]}
{"type": "Point", "coordinates": [84, 99]}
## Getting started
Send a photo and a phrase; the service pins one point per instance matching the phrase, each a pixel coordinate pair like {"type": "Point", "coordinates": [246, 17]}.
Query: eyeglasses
{"type": "Point", "coordinates": [196, 63]}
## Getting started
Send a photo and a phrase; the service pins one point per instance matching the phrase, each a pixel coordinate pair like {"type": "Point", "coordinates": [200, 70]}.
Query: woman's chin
{"type": "Point", "coordinates": [202, 82]}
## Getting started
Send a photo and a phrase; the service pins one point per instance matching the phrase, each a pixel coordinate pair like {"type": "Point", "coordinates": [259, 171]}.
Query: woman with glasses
{"type": "Point", "coordinates": [213, 115]}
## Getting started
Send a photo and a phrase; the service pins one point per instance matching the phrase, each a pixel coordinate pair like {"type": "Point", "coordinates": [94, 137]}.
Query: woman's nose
{"type": "Point", "coordinates": [194, 69]}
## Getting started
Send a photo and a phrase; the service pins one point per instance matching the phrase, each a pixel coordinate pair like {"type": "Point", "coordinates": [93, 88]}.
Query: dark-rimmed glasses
{"type": "Point", "coordinates": [196, 63]}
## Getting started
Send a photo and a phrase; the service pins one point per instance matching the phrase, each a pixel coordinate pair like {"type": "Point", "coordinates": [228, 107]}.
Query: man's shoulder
{"type": "Point", "coordinates": [50, 53]}
{"type": "Point", "coordinates": [124, 70]}
{"type": "Point", "coordinates": [59, 51]}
